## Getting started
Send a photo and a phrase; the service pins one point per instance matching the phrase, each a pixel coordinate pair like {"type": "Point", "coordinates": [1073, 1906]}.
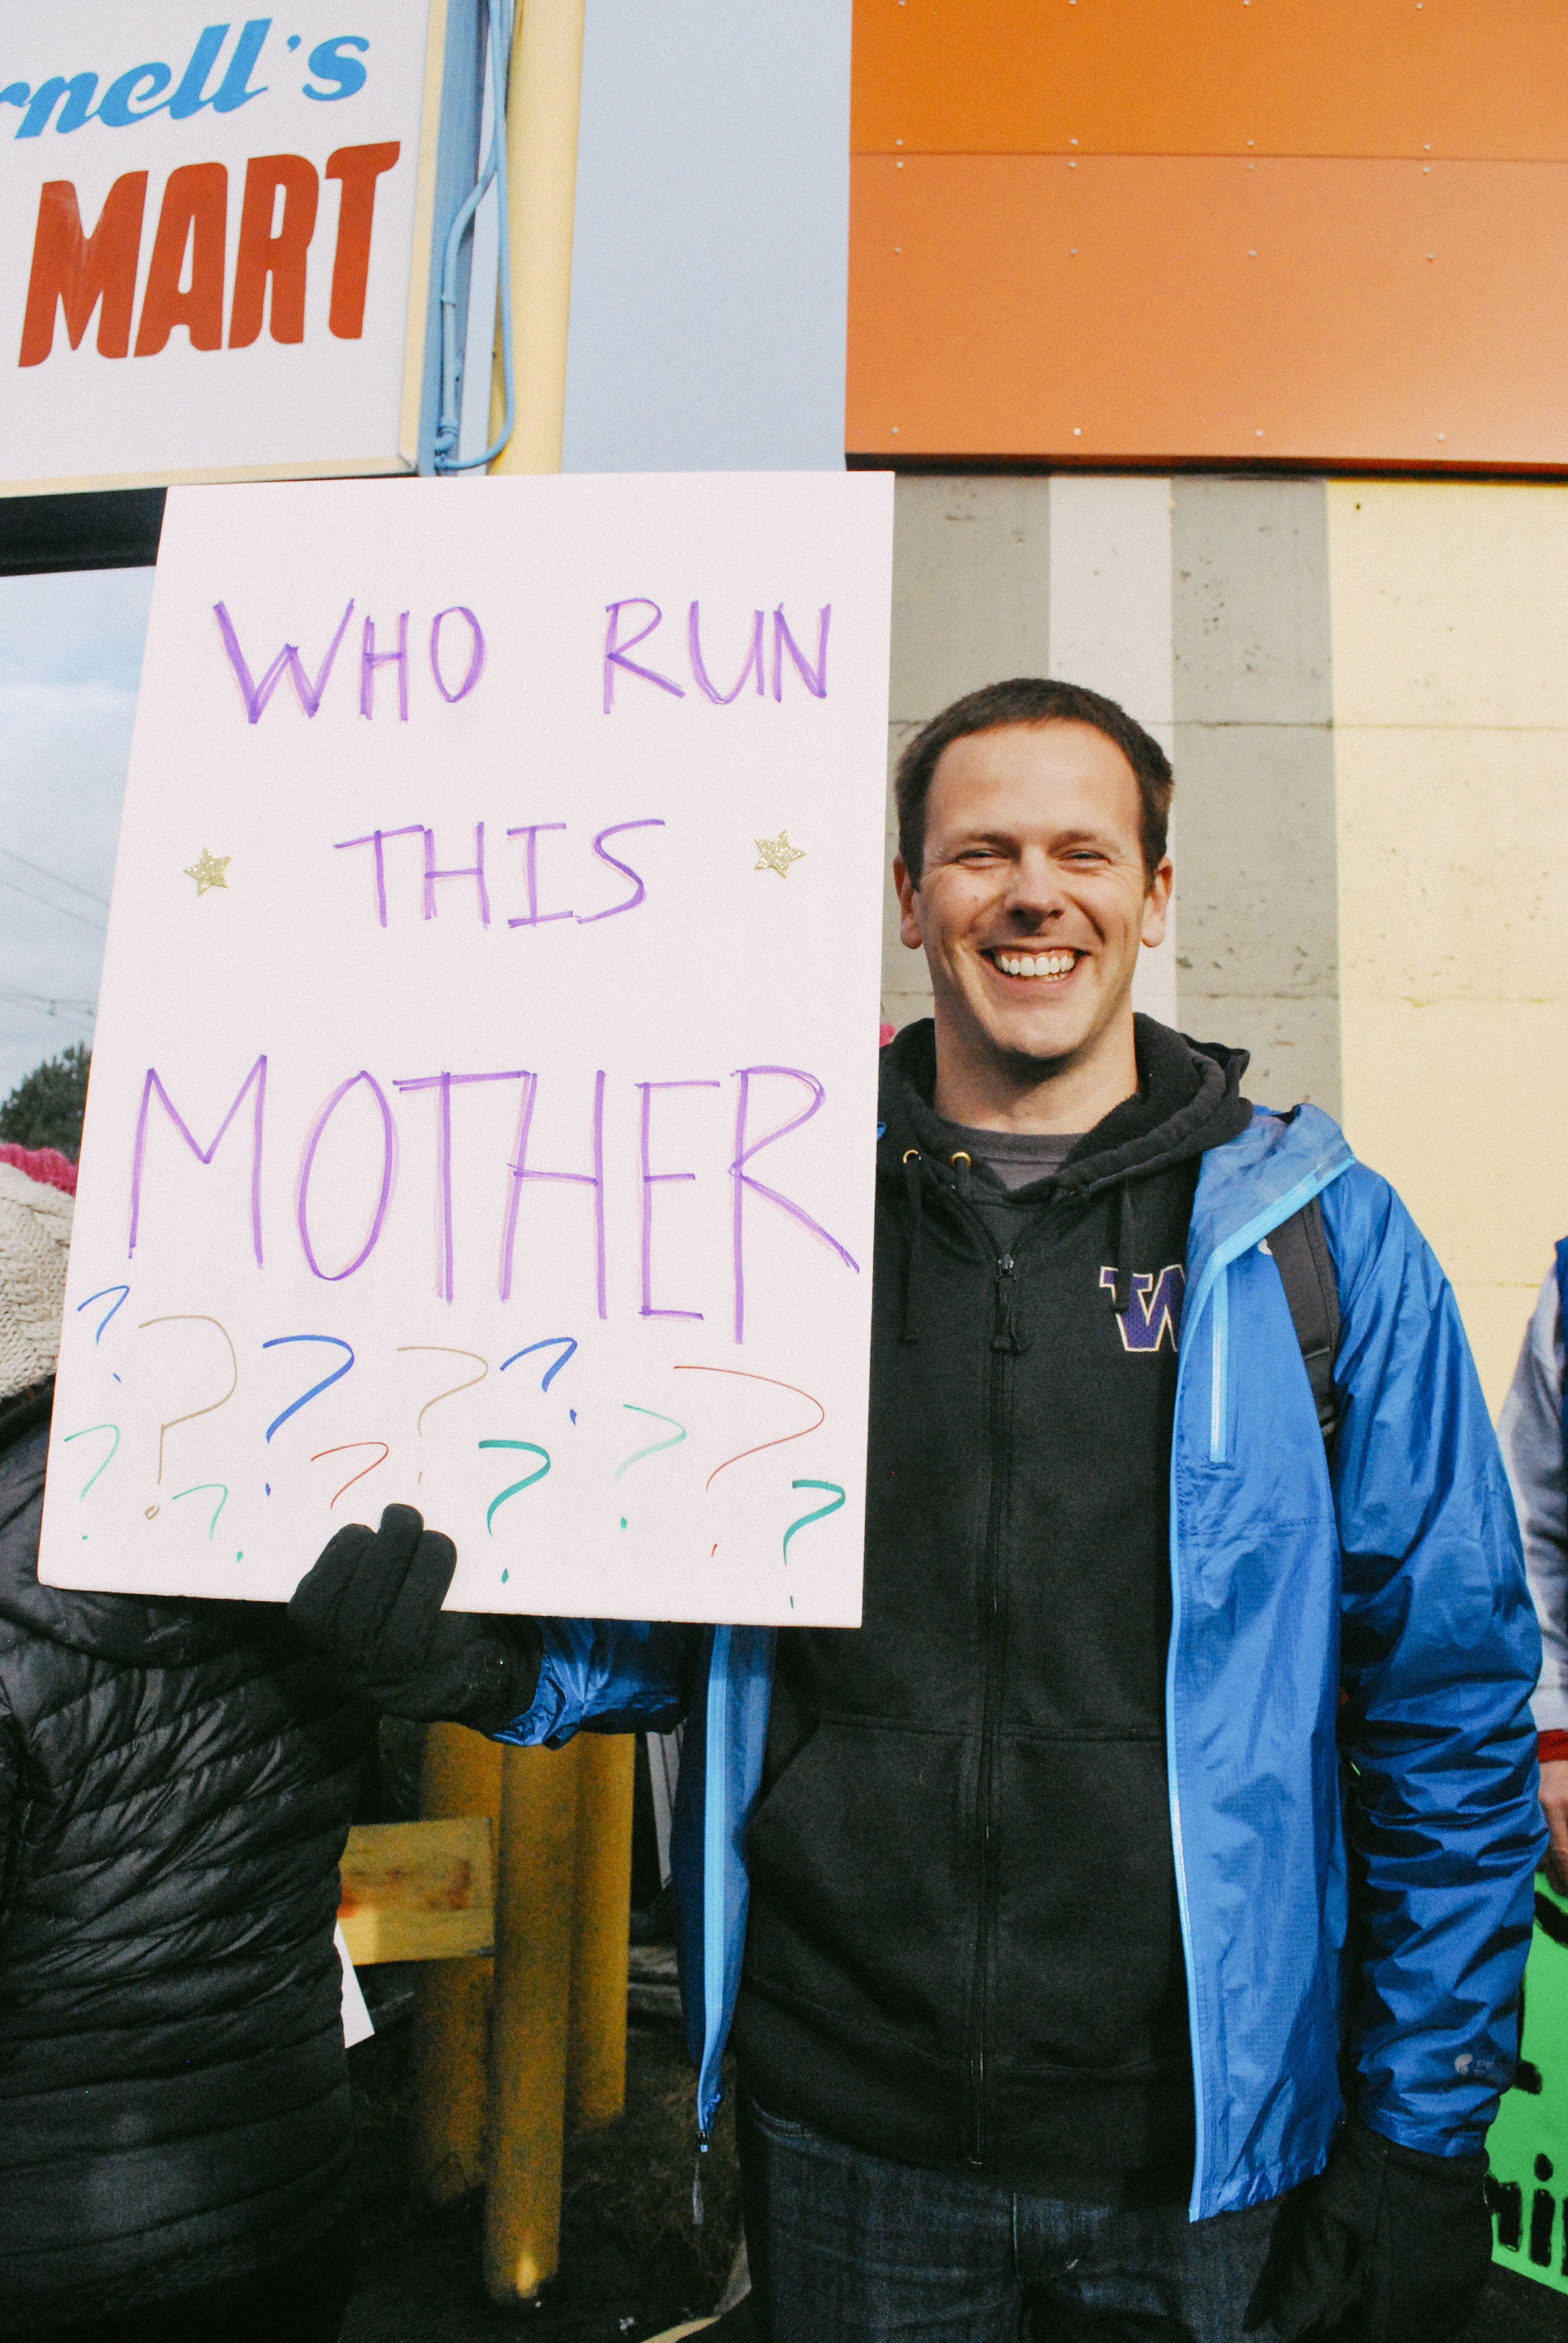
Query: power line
{"type": "Point", "coordinates": [59, 909]}
{"type": "Point", "coordinates": [58, 877]}
{"type": "Point", "coordinates": [49, 1000]}
{"type": "Point", "coordinates": [83, 1012]}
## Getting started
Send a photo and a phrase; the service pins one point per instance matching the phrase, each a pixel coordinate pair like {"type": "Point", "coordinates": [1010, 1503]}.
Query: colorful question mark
{"type": "Point", "coordinates": [744, 1375]}
{"type": "Point", "coordinates": [195, 1491]}
{"type": "Point", "coordinates": [122, 1290]}
{"type": "Point", "coordinates": [654, 1446]}
{"type": "Point", "coordinates": [315, 1389]}
{"type": "Point", "coordinates": [566, 1344]}
{"type": "Point", "coordinates": [341, 1449]}
{"type": "Point", "coordinates": [447, 1351]}
{"type": "Point", "coordinates": [820, 1513]}
{"type": "Point", "coordinates": [95, 1427]}
{"type": "Point", "coordinates": [193, 1318]}
{"type": "Point", "coordinates": [525, 1482]}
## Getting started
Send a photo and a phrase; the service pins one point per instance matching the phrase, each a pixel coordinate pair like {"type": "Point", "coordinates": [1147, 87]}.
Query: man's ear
{"type": "Point", "coordinates": [908, 905]}
{"type": "Point", "coordinates": [1157, 903]}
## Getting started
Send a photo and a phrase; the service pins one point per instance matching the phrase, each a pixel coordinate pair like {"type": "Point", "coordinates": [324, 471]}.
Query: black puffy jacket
{"type": "Point", "coordinates": [176, 1784]}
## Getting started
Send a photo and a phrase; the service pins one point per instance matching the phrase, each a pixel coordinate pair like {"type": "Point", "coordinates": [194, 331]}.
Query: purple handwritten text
{"type": "Point", "coordinates": [389, 1173]}
{"type": "Point", "coordinates": [256, 1077]}
{"type": "Point", "coordinates": [652, 1179]}
{"type": "Point", "coordinates": [745, 1149]}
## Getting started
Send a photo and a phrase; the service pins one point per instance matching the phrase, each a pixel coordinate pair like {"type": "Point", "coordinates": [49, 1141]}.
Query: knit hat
{"type": "Point", "coordinates": [35, 1242]}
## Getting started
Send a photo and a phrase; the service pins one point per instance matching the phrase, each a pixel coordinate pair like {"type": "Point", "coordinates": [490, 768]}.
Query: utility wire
{"type": "Point", "coordinates": [83, 1012]}
{"type": "Point", "coordinates": [58, 877]}
{"type": "Point", "coordinates": [52, 1002]}
{"type": "Point", "coordinates": [59, 909]}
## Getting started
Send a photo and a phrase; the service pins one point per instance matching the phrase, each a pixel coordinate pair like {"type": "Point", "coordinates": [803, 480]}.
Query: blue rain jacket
{"type": "Point", "coordinates": [1350, 1750]}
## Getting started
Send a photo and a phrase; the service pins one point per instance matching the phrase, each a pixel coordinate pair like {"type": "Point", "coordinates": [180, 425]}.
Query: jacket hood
{"type": "Point", "coordinates": [132, 1630]}
{"type": "Point", "coordinates": [1189, 1099]}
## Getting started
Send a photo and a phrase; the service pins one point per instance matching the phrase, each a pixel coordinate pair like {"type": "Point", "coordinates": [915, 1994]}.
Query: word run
{"type": "Point", "coordinates": [380, 1170]}
{"type": "Point", "coordinates": [619, 645]}
{"type": "Point", "coordinates": [74, 273]}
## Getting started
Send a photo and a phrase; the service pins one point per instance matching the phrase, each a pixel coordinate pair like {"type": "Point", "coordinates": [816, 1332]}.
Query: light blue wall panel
{"type": "Point", "coordinates": [709, 262]}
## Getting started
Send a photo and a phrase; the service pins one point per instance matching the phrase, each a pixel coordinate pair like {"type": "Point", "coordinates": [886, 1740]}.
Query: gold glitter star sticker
{"type": "Point", "coordinates": [208, 872]}
{"type": "Point", "coordinates": [778, 853]}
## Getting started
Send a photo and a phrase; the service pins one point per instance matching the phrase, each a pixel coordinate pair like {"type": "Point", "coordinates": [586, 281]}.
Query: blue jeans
{"type": "Point", "coordinates": [847, 2247]}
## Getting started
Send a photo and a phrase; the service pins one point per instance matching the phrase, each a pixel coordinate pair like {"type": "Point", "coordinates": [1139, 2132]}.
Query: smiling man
{"type": "Point", "coordinates": [1032, 873]}
{"type": "Point", "coordinates": [1122, 1930]}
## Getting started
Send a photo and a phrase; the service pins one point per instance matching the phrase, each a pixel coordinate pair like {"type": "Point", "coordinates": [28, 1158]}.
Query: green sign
{"type": "Point", "coordinates": [1528, 2144]}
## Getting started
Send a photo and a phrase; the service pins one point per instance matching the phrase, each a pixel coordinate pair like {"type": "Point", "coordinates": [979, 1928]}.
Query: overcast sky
{"type": "Point", "coordinates": [70, 654]}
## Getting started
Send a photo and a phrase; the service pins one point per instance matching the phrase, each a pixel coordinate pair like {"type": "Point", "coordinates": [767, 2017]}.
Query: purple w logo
{"type": "Point", "coordinates": [1154, 1310]}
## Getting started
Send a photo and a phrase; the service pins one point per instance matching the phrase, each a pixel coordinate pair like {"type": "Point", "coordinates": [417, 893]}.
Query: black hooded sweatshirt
{"type": "Point", "coordinates": [175, 1787]}
{"type": "Point", "coordinates": [963, 1950]}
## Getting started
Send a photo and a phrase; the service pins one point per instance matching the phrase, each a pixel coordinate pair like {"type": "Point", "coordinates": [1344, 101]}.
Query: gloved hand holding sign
{"type": "Point", "coordinates": [372, 1608]}
{"type": "Point", "coordinates": [1387, 2246]}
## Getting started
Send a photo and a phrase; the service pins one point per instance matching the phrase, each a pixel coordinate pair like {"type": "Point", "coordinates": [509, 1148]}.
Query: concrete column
{"type": "Point", "coordinates": [1258, 954]}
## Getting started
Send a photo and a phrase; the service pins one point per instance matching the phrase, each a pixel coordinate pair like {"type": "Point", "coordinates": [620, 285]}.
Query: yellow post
{"type": "Point", "coordinates": [529, 2019]}
{"type": "Point", "coordinates": [595, 2053]}
{"type": "Point", "coordinates": [462, 1775]}
{"type": "Point", "coordinates": [543, 92]}
{"type": "Point", "coordinates": [563, 1888]}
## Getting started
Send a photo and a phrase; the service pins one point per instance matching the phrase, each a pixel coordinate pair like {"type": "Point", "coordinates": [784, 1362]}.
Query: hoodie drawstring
{"type": "Point", "coordinates": [1123, 1276]}
{"type": "Point", "coordinates": [912, 1190]}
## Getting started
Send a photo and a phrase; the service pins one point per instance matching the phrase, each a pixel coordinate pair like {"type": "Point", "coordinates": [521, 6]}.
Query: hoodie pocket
{"type": "Point", "coordinates": [1088, 1972]}
{"type": "Point", "coordinates": [862, 1891]}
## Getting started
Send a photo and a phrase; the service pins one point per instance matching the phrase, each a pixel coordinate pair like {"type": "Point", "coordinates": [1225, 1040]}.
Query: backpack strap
{"type": "Point", "coordinates": [1300, 1251]}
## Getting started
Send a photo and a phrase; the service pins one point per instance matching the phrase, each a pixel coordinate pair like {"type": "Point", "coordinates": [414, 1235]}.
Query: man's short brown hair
{"type": "Point", "coordinates": [1032, 699]}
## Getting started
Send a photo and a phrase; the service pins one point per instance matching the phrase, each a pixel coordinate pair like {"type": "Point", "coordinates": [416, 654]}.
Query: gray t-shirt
{"type": "Point", "coordinates": [1013, 1160]}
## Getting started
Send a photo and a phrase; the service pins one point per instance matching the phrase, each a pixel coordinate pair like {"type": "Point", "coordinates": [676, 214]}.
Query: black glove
{"type": "Point", "coordinates": [1387, 2246]}
{"type": "Point", "coordinates": [372, 1609]}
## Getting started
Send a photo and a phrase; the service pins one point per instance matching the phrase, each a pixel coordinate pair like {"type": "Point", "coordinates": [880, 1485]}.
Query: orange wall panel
{"type": "Point", "coordinates": [1486, 79]}
{"type": "Point", "coordinates": [1166, 308]}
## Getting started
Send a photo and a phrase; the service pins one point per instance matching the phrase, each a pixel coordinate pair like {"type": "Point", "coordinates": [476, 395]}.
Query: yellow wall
{"type": "Point", "coordinates": [1450, 630]}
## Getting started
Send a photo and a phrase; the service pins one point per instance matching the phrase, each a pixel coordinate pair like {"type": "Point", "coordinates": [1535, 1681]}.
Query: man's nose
{"type": "Point", "coordinates": [1035, 894]}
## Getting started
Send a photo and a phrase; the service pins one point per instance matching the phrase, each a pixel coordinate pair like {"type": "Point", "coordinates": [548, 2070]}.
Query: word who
{"type": "Point", "coordinates": [445, 655]}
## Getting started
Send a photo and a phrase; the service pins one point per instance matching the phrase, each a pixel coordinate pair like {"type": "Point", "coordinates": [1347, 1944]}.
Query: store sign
{"type": "Point", "coordinates": [213, 253]}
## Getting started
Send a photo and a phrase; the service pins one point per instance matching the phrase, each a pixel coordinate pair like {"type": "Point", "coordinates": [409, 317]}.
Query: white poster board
{"type": "Point", "coordinates": [208, 232]}
{"type": "Point", "coordinates": [483, 1108]}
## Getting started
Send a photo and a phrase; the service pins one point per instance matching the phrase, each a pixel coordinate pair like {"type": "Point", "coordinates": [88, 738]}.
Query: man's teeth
{"type": "Point", "coordinates": [1058, 963]}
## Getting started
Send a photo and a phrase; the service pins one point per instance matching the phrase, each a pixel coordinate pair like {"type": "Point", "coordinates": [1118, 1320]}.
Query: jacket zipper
{"type": "Point", "coordinates": [994, 1624]}
{"type": "Point", "coordinates": [715, 1902]}
{"type": "Point", "coordinates": [1212, 1288]}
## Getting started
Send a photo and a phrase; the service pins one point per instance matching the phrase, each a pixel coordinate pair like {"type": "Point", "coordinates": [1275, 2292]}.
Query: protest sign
{"type": "Point", "coordinates": [483, 1109]}
{"type": "Point", "coordinates": [214, 240]}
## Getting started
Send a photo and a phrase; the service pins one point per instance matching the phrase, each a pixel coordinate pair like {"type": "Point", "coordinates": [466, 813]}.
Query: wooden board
{"type": "Point", "coordinates": [418, 1891]}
